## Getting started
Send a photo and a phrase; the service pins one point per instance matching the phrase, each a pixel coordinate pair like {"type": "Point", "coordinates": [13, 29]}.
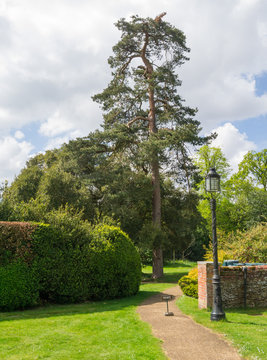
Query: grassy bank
{"type": "Point", "coordinates": [94, 330]}
{"type": "Point", "coordinates": [246, 329]}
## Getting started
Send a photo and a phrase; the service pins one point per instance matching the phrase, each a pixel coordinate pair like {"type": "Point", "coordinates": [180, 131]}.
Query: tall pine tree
{"type": "Point", "coordinates": [144, 116]}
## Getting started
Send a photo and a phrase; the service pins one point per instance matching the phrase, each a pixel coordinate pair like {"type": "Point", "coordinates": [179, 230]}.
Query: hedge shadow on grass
{"type": "Point", "coordinates": [90, 307]}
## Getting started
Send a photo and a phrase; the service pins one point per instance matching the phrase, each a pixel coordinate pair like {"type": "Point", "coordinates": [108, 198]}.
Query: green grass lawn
{"type": "Point", "coordinates": [173, 271]}
{"type": "Point", "coordinates": [246, 329]}
{"type": "Point", "coordinates": [94, 330]}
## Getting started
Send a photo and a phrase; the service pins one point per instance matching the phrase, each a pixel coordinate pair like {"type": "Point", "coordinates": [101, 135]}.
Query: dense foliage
{"type": "Point", "coordinates": [248, 246]}
{"type": "Point", "coordinates": [70, 261]}
{"type": "Point", "coordinates": [242, 202]}
{"type": "Point", "coordinates": [189, 283]}
{"type": "Point", "coordinates": [111, 188]}
{"type": "Point", "coordinates": [18, 286]}
{"type": "Point", "coordinates": [58, 261]}
{"type": "Point", "coordinates": [114, 264]}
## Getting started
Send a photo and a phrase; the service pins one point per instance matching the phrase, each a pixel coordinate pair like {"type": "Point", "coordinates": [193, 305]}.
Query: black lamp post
{"type": "Point", "coordinates": [213, 186]}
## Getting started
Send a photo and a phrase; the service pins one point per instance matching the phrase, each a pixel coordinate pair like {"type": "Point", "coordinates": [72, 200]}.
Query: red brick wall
{"type": "Point", "coordinates": [205, 272]}
{"type": "Point", "coordinates": [232, 285]}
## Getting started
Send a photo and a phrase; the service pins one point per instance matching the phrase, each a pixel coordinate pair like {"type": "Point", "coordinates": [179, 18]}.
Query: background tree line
{"type": "Point", "coordinates": [78, 179]}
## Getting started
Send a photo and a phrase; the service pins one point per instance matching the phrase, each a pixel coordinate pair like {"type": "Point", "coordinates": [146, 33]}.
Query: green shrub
{"type": "Point", "coordinates": [60, 264]}
{"type": "Point", "coordinates": [222, 255]}
{"type": "Point", "coordinates": [105, 265]}
{"type": "Point", "coordinates": [245, 246]}
{"type": "Point", "coordinates": [74, 261]}
{"type": "Point", "coordinates": [61, 255]}
{"type": "Point", "coordinates": [248, 246]}
{"type": "Point", "coordinates": [189, 283]}
{"type": "Point", "coordinates": [18, 287]}
{"type": "Point", "coordinates": [70, 222]}
{"type": "Point", "coordinates": [114, 264]}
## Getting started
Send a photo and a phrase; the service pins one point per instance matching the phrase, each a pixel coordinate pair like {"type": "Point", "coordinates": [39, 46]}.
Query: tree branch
{"type": "Point", "coordinates": [159, 17]}
{"type": "Point", "coordinates": [165, 103]}
{"type": "Point", "coordinates": [136, 119]}
{"type": "Point", "coordinates": [124, 66]}
{"type": "Point", "coordinates": [143, 54]}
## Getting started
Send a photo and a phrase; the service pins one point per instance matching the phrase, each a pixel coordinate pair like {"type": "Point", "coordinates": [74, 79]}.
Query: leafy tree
{"type": "Point", "coordinates": [247, 190]}
{"type": "Point", "coordinates": [248, 246]}
{"type": "Point", "coordinates": [26, 184]}
{"type": "Point", "coordinates": [144, 116]}
{"type": "Point", "coordinates": [252, 171]}
{"type": "Point", "coordinates": [241, 204]}
{"type": "Point", "coordinates": [211, 157]}
{"type": "Point", "coordinates": [43, 186]}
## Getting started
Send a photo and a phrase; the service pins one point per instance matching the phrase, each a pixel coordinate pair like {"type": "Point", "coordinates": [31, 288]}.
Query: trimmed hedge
{"type": "Point", "coordinates": [18, 287]}
{"type": "Point", "coordinates": [114, 264]}
{"type": "Point", "coordinates": [189, 283]}
{"type": "Point", "coordinates": [106, 267]}
{"type": "Point", "coordinates": [59, 264]}
{"type": "Point", "coordinates": [73, 265]}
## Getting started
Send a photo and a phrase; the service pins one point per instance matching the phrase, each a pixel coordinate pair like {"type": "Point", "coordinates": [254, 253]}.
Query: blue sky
{"type": "Point", "coordinates": [53, 58]}
{"type": "Point", "coordinates": [256, 130]}
{"type": "Point", "coordinates": [261, 84]}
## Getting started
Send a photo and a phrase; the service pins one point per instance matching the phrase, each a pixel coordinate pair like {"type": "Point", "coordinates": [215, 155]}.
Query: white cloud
{"type": "Point", "coordinates": [78, 107]}
{"type": "Point", "coordinates": [51, 58]}
{"type": "Point", "coordinates": [233, 144]}
{"type": "Point", "coordinates": [54, 57]}
{"type": "Point", "coordinates": [227, 51]}
{"type": "Point", "coordinates": [19, 135]}
{"type": "Point", "coordinates": [55, 124]}
{"type": "Point", "coordinates": [13, 155]}
{"type": "Point", "coordinates": [56, 142]}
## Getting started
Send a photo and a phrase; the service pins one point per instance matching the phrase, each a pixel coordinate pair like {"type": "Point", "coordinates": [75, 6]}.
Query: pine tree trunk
{"type": "Point", "coordinates": [156, 203]}
{"type": "Point", "coordinates": [156, 216]}
{"type": "Point", "coordinates": [157, 263]}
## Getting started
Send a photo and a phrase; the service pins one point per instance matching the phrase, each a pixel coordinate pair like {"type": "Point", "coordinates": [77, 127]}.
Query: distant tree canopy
{"type": "Point", "coordinates": [242, 202]}
{"type": "Point", "coordinates": [101, 187]}
{"type": "Point", "coordinates": [107, 187]}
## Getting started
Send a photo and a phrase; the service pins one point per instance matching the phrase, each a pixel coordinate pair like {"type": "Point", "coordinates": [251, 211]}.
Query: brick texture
{"type": "Point", "coordinates": [239, 287]}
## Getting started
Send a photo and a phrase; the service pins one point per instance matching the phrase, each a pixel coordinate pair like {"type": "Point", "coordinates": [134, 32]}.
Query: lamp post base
{"type": "Point", "coordinates": [217, 312]}
{"type": "Point", "coordinates": [217, 316]}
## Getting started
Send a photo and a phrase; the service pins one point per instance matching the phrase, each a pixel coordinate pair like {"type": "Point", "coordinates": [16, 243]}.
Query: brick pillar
{"type": "Point", "coordinates": [205, 272]}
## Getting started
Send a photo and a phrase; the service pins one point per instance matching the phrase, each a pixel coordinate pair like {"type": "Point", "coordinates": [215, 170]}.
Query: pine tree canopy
{"type": "Point", "coordinates": [143, 93]}
{"type": "Point", "coordinates": [144, 115]}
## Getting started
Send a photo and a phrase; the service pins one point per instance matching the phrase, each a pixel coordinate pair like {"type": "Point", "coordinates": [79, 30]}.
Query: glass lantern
{"type": "Point", "coordinates": [212, 181]}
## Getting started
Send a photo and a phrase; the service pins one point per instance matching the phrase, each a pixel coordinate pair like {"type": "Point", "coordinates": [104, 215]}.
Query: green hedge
{"type": "Point", "coordinates": [73, 265]}
{"type": "Point", "coordinates": [108, 266]}
{"type": "Point", "coordinates": [18, 287]}
{"type": "Point", "coordinates": [59, 261]}
{"type": "Point", "coordinates": [114, 264]}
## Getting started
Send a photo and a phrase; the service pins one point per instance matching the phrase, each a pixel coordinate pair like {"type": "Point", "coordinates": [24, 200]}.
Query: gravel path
{"type": "Point", "coordinates": [183, 339]}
